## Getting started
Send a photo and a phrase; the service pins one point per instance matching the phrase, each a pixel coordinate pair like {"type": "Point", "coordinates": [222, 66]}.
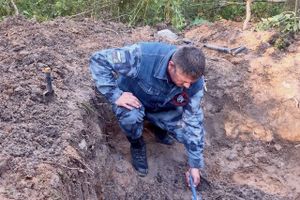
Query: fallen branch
{"type": "Point", "coordinates": [108, 29]}
{"type": "Point", "coordinates": [15, 7]}
{"type": "Point", "coordinates": [79, 14]}
{"type": "Point", "coordinates": [71, 168]}
{"type": "Point", "coordinates": [232, 51]}
{"type": "Point", "coordinates": [64, 166]}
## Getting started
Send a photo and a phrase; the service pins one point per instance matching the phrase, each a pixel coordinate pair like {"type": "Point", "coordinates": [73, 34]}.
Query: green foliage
{"type": "Point", "coordinates": [198, 21]}
{"type": "Point", "coordinates": [281, 42]}
{"type": "Point", "coordinates": [177, 13]}
{"type": "Point", "coordinates": [155, 11]}
{"type": "Point", "coordinates": [5, 9]}
{"type": "Point", "coordinates": [233, 10]}
{"type": "Point", "coordinates": [264, 9]}
{"type": "Point", "coordinates": [182, 12]}
{"type": "Point", "coordinates": [286, 22]}
{"type": "Point", "coordinates": [45, 9]}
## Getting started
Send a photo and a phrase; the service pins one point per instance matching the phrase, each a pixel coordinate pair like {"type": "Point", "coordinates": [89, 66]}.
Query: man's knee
{"type": "Point", "coordinates": [128, 117]}
{"type": "Point", "coordinates": [131, 121]}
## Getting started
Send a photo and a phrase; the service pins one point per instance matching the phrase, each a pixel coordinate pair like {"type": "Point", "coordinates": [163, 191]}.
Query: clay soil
{"type": "Point", "coordinates": [70, 146]}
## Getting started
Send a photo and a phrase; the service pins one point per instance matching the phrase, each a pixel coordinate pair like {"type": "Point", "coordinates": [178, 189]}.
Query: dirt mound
{"type": "Point", "coordinates": [45, 146]}
{"type": "Point", "coordinates": [261, 82]}
{"type": "Point", "coordinates": [253, 97]}
{"type": "Point", "coordinates": [71, 147]}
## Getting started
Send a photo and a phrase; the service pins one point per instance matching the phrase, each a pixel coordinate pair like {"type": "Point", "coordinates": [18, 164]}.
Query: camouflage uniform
{"type": "Point", "coordinates": [142, 70]}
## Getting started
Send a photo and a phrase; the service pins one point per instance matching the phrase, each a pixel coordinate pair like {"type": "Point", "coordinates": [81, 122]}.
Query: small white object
{"type": "Point", "coordinates": [166, 33]}
{"type": "Point", "coordinates": [82, 144]}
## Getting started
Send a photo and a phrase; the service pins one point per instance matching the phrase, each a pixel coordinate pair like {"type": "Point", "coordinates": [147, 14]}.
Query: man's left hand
{"type": "Point", "coordinates": [195, 173]}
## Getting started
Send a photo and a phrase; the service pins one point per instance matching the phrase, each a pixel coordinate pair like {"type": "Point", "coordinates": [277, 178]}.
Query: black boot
{"type": "Point", "coordinates": [139, 155]}
{"type": "Point", "coordinates": [162, 136]}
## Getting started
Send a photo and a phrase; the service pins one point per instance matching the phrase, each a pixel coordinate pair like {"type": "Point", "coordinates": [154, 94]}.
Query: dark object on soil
{"type": "Point", "coordinates": [281, 41]}
{"type": "Point", "coordinates": [232, 51]}
{"type": "Point", "coordinates": [50, 92]}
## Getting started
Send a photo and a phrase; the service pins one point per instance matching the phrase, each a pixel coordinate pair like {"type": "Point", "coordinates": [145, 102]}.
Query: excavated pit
{"type": "Point", "coordinates": [71, 147]}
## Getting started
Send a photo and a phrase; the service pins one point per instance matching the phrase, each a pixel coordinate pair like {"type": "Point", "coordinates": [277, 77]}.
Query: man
{"type": "Point", "coordinates": [160, 83]}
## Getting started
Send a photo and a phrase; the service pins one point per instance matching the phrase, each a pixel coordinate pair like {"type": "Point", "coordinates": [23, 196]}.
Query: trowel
{"type": "Point", "coordinates": [194, 192]}
{"type": "Point", "coordinates": [49, 92]}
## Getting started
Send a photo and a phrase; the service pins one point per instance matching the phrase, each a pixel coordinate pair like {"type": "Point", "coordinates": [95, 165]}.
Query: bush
{"type": "Point", "coordinates": [177, 13]}
{"type": "Point", "coordinates": [154, 11]}
{"type": "Point", "coordinates": [5, 9]}
{"type": "Point", "coordinates": [286, 22]}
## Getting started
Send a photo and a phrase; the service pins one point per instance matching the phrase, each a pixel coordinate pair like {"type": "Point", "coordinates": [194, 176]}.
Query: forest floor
{"type": "Point", "coordinates": [70, 146]}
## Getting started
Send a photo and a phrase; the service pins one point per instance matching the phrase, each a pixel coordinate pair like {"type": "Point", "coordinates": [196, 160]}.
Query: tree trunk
{"type": "Point", "coordinates": [248, 14]}
{"type": "Point", "coordinates": [292, 4]}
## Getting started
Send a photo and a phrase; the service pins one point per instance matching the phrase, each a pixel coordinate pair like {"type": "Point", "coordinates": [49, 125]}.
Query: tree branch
{"type": "Point", "coordinates": [15, 7]}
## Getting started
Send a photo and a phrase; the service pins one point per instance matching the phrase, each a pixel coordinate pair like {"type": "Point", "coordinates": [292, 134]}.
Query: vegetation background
{"type": "Point", "coordinates": [177, 13]}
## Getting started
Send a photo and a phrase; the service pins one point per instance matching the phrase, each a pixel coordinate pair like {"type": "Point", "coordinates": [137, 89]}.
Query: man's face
{"type": "Point", "coordinates": [178, 77]}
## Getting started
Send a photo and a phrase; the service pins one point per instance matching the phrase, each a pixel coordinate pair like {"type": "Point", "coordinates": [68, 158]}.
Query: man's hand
{"type": "Point", "coordinates": [128, 100]}
{"type": "Point", "coordinates": [195, 172]}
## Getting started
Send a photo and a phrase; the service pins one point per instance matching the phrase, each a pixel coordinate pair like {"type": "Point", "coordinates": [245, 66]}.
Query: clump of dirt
{"type": "Point", "coordinates": [70, 147]}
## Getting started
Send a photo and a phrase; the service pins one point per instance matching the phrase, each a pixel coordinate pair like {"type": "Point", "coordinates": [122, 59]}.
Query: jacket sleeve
{"type": "Point", "coordinates": [106, 65]}
{"type": "Point", "coordinates": [193, 130]}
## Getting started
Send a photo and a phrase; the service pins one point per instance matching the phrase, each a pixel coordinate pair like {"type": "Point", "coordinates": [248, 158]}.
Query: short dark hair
{"type": "Point", "coordinates": [190, 60]}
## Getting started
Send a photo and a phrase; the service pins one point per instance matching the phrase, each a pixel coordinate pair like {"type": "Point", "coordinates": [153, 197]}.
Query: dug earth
{"type": "Point", "coordinates": [70, 147]}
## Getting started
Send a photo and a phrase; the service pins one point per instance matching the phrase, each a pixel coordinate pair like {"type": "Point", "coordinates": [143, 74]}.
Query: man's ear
{"type": "Point", "coordinates": [171, 65]}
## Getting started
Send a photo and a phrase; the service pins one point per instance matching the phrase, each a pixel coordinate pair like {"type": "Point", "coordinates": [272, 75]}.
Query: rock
{"type": "Point", "coordinates": [238, 147]}
{"type": "Point", "coordinates": [41, 65]}
{"type": "Point", "coordinates": [280, 164]}
{"type": "Point", "coordinates": [167, 34]}
{"type": "Point", "coordinates": [121, 166]}
{"type": "Point", "coordinates": [35, 90]}
{"type": "Point", "coordinates": [55, 181]}
{"type": "Point", "coordinates": [246, 151]}
{"type": "Point", "coordinates": [278, 147]}
{"type": "Point", "coordinates": [232, 156]}
{"type": "Point", "coordinates": [82, 145]}
{"type": "Point", "coordinates": [293, 48]}
{"type": "Point", "coordinates": [19, 89]}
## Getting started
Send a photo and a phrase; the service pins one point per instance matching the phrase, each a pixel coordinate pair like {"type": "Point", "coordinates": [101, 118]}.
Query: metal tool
{"type": "Point", "coordinates": [49, 92]}
{"type": "Point", "coordinates": [193, 188]}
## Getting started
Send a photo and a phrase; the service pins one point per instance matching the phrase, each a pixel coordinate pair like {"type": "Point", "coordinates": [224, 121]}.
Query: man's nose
{"type": "Point", "coordinates": [186, 85]}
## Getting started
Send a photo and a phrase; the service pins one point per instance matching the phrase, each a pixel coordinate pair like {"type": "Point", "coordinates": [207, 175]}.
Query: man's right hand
{"type": "Point", "coordinates": [128, 100]}
{"type": "Point", "coordinates": [195, 173]}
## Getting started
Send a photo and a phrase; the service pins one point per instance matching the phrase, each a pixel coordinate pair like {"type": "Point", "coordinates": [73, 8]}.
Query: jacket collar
{"type": "Point", "coordinates": [161, 70]}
